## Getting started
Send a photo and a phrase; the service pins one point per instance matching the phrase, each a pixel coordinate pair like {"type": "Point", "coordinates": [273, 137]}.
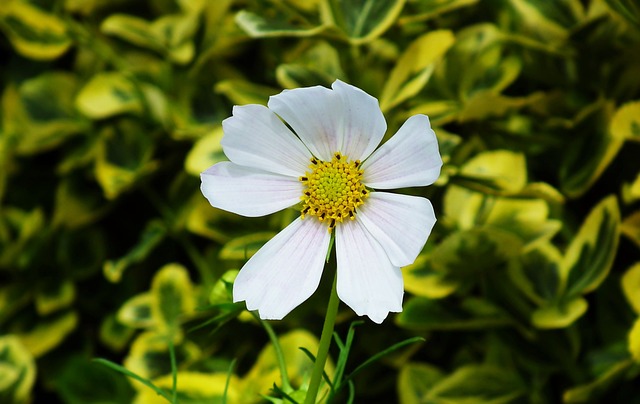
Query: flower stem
{"type": "Point", "coordinates": [325, 342]}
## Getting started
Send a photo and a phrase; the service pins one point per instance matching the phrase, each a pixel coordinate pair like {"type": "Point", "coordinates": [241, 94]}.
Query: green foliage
{"type": "Point", "coordinates": [528, 289]}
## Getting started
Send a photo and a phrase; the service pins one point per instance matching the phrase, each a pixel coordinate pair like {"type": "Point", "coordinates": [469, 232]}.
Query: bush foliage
{"type": "Point", "coordinates": [527, 291]}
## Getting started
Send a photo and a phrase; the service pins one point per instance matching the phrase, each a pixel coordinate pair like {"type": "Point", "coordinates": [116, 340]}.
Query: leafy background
{"type": "Point", "coordinates": [527, 291]}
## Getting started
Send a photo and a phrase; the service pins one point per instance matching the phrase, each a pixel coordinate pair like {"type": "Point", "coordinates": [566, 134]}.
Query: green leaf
{"type": "Point", "coordinates": [427, 10]}
{"type": "Point", "coordinates": [242, 92]}
{"type": "Point", "coordinates": [625, 123]}
{"type": "Point", "coordinates": [591, 151]}
{"type": "Point", "coordinates": [283, 23]}
{"type": "Point", "coordinates": [465, 254]}
{"type": "Point", "coordinates": [17, 370]}
{"type": "Point", "coordinates": [242, 248]}
{"type": "Point", "coordinates": [538, 273]}
{"type": "Point", "coordinates": [471, 314]}
{"type": "Point", "coordinates": [151, 237]}
{"type": "Point", "coordinates": [559, 315]}
{"type": "Point", "coordinates": [414, 67]}
{"type": "Point", "coordinates": [172, 298]}
{"type": "Point", "coordinates": [40, 117]}
{"type": "Point", "coordinates": [82, 381]}
{"type": "Point", "coordinates": [590, 392]}
{"type": "Point", "coordinates": [480, 384]}
{"type": "Point", "coordinates": [362, 20]}
{"type": "Point", "coordinates": [590, 255]}
{"type": "Point", "coordinates": [318, 65]}
{"type": "Point", "coordinates": [170, 35]}
{"type": "Point", "coordinates": [631, 285]}
{"type": "Point", "coordinates": [628, 9]}
{"type": "Point", "coordinates": [415, 380]}
{"type": "Point", "coordinates": [34, 33]}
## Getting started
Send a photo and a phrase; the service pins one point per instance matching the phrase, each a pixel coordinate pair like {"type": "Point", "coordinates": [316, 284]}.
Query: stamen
{"type": "Point", "coordinates": [334, 190]}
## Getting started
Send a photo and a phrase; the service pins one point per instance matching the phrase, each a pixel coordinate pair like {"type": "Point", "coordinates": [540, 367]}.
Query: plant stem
{"type": "Point", "coordinates": [286, 385]}
{"type": "Point", "coordinates": [325, 342]}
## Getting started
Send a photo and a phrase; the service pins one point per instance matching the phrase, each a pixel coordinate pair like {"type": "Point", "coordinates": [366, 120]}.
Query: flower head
{"type": "Point", "coordinates": [327, 165]}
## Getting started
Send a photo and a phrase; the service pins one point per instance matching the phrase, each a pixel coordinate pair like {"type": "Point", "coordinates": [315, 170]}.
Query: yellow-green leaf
{"type": "Point", "coordinates": [362, 20]}
{"type": "Point", "coordinates": [220, 292]}
{"type": "Point", "coordinates": [415, 380]}
{"type": "Point", "coordinates": [591, 151]}
{"type": "Point", "coordinates": [281, 24]}
{"type": "Point", "coordinates": [559, 315]}
{"type": "Point", "coordinates": [17, 370]}
{"type": "Point", "coordinates": [242, 248]}
{"type": "Point", "coordinates": [421, 280]}
{"type": "Point", "coordinates": [38, 116]}
{"type": "Point", "coordinates": [242, 92]}
{"type": "Point", "coordinates": [591, 253]}
{"type": "Point", "coordinates": [538, 273]}
{"type": "Point", "coordinates": [151, 236]}
{"type": "Point", "coordinates": [194, 388]}
{"type": "Point", "coordinates": [33, 32]}
{"type": "Point", "coordinates": [631, 191]}
{"type": "Point", "coordinates": [108, 94]}
{"type": "Point", "coordinates": [634, 341]}
{"type": "Point", "coordinates": [625, 123]}
{"type": "Point", "coordinates": [136, 312]}
{"type": "Point", "coordinates": [631, 286]}
{"type": "Point", "coordinates": [480, 384]}
{"type": "Point", "coordinates": [427, 10]}
{"type": "Point", "coordinates": [115, 334]}
{"type": "Point", "coordinates": [149, 356]}
{"type": "Point", "coordinates": [470, 314]}
{"type": "Point", "coordinates": [205, 152]}
{"type": "Point", "coordinates": [47, 332]}
{"type": "Point", "coordinates": [527, 218]}
{"type": "Point", "coordinates": [414, 67]}
{"type": "Point", "coordinates": [172, 298]}
{"type": "Point", "coordinates": [266, 371]}
{"type": "Point", "coordinates": [501, 171]}
{"type": "Point", "coordinates": [591, 392]}
{"type": "Point", "coordinates": [53, 296]}
{"type": "Point", "coordinates": [630, 227]}
{"type": "Point", "coordinates": [123, 157]}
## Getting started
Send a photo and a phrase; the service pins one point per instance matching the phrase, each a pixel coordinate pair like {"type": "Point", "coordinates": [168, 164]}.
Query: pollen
{"type": "Point", "coordinates": [333, 190]}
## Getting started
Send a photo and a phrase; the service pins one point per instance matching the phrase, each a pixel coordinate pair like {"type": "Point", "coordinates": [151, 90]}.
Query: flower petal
{"type": "Point", "coordinates": [363, 124]}
{"type": "Point", "coordinates": [285, 271]}
{"type": "Point", "coordinates": [400, 223]}
{"type": "Point", "coordinates": [315, 115]}
{"type": "Point", "coordinates": [255, 137]}
{"type": "Point", "coordinates": [247, 191]}
{"type": "Point", "coordinates": [410, 158]}
{"type": "Point", "coordinates": [367, 281]}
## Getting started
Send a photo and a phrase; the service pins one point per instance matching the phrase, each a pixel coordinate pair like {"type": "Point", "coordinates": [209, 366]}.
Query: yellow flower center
{"type": "Point", "coordinates": [334, 190]}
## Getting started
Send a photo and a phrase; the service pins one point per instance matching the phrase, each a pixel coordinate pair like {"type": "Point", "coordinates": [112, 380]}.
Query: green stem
{"type": "Point", "coordinates": [325, 342]}
{"type": "Point", "coordinates": [286, 385]}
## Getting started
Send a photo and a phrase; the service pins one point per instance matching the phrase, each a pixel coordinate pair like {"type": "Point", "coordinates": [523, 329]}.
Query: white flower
{"type": "Point", "coordinates": [329, 167]}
